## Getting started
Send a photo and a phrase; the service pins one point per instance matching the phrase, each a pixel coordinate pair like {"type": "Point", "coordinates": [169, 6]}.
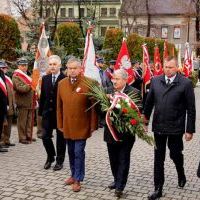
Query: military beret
{"type": "Point", "coordinates": [22, 61]}
{"type": "Point", "coordinates": [3, 64]}
{"type": "Point", "coordinates": [112, 62]}
{"type": "Point", "coordinates": [100, 60]}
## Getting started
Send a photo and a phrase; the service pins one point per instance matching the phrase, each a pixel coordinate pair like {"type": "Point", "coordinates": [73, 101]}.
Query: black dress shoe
{"type": "Point", "coordinates": [118, 193]}
{"type": "Point", "coordinates": [24, 142]}
{"type": "Point", "coordinates": [2, 150]}
{"type": "Point", "coordinates": [4, 146]}
{"type": "Point", "coordinates": [48, 163]}
{"type": "Point", "coordinates": [198, 171]}
{"type": "Point", "coordinates": [57, 167]}
{"type": "Point", "coordinates": [156, 195]}
{"type": "Point", "coordinates": [182, 181]}
{"type": "Point", "coordinates": [112, 186]}
{"type": "Point", "coordinates": [10, 144]}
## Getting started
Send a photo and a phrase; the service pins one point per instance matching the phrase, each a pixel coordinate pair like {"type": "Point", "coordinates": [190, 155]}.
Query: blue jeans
{"type": "Point", "coordinates": [76, 151]}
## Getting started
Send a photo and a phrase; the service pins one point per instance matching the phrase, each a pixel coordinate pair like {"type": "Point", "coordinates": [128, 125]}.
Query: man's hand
{"type": "Point", "coordinates": [61, 129]}
{"type": "Point", "coordinates": [188, 136]}
{"type": "Point", "coordinates": [5, 122]}
{"type": "Point", "coordinates": [145, 128]}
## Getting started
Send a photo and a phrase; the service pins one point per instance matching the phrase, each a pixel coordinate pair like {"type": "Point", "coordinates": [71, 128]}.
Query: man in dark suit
{"type": "Point", "coordinates": [172, 97]}
{"type": "Point", "coordinates": [3, 102]}
{"type": "Point", "coordinates": [119, 152]}
{"type": "Point", "coordinates": [47, 109]}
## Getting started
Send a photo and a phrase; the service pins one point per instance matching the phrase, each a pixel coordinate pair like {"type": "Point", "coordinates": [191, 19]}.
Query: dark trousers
{"type": "Point", "coordinates": [1, 127]}
{"type": "Point", "coordinates": [49, 146]}
{"type": "Point", "coordinates": [76, 151]}
{"type": "Point", "coordinates": [119, 156]}
{"type": "Point", "coordinates": [175, 145]}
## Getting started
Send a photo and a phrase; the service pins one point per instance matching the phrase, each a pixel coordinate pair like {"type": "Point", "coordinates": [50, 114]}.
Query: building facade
{"type": "Point", "coordinates": [105, 13]}
{"type": "Point", "coordinates": [173, 20]}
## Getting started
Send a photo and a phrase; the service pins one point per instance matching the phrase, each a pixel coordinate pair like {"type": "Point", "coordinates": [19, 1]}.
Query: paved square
{"type": "Point", "coordinates": [22, 175]}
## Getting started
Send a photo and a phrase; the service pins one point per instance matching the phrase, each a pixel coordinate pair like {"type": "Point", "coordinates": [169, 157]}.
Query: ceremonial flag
{"type": "Point", "coordinates": [187, 65]}
{"type": "Point", "coordinates": [165, 52]}
{"type": "Point", "coordinates": [146, 69]}
{"type": "Point", "coordinates": [123, 61]}
{"type": "Point", "coordinates": [41, 58]}
{"type": "Point", "coordinates": [89, 68]}
{"type": "Point", "coordinates": [157, 62]}
{"type": "Point", "coordinates": [179, 59]}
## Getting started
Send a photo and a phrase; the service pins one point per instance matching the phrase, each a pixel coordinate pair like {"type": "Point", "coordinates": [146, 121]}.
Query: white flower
{"type": "Point", "coordinates": [78, 89]}
{"type": "Point", "coordinates": [118, 106]}
{"type": "Point", "coordinates": [127, 100]}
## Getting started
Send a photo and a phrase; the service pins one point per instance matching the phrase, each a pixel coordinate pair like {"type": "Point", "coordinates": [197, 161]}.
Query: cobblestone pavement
{"type": "Point", "coordinates": [22, 175]}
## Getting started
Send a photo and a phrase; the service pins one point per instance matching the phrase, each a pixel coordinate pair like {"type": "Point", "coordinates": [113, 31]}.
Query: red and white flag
{"type": "Point", "coordinates": [165, 52]}
{"type": "Point", "coordinates": [123, 61]}
{"type": "Point", "coordinates": [187, 65]}
{"type": "Point", "coordinates": [158, 70]}
{"type": "Point", "coordinates": [41, 58]}
{"type": "Point", "coordinates": [3, 87]}
{"type": "Point", "coordinates": [146, 68]}
{"type": "Point", "coordinates": [89, 68]}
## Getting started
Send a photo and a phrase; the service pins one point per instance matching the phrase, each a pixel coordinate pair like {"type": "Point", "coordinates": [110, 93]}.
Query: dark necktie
{"type": "Point", "coordinates": [168, 82]}
{"type": "Point", "coordinates": [73, 80]}
{"type": "Point", "coordinates": [101, 74]}
{"type": "Point", "coordinates": [53, 80]}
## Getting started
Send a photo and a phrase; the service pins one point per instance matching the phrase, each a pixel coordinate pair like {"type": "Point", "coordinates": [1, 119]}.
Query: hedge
{"type": "Point", "coordinates": [68, 35]}
{"type": "Point", "coordinates": [113, 40]}
{"type": "Point", "coordinates": [9, 38]}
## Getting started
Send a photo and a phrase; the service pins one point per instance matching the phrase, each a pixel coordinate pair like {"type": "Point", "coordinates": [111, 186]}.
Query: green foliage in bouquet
{"type": "Point", "coordinates": [194, 78]}
{"type": "Point", "coordinates": [125, 118]}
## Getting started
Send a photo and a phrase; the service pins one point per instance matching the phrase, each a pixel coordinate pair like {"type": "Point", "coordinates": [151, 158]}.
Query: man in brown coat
{"type": "Point", "coordinates": [74, 120]}
{"type": "Point", "coordinates": [24, 101]}
{"type": "Point", "coordinates": [5, 140]}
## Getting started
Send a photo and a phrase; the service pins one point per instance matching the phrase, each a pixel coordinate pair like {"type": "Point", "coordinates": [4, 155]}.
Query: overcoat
{"type": "Point", "coordinates": [73, 114]}
{"type": "Point", "coordinates": [48, 101]}
{"type": "Point", "coordinates": [171, 105]}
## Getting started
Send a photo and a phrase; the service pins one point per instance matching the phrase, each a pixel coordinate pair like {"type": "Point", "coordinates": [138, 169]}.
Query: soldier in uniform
{"type": "Point", "coordinates": [107, 75]}
{"type": "Point", "coordinates": [24, 101]}
{"type": "Point", "coordinates": [3, 104]}
{"type": "Point", "coordinates": [5, 140]}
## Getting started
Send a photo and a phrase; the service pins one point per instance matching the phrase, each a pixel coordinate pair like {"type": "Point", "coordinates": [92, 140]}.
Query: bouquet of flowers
{"type": "Point", "coordinates": [122, 113]}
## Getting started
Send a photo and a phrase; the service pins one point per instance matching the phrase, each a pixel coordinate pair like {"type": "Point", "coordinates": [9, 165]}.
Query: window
{"type": "Point", "coordinates": [112, 12]}
{"type": "Point", "coordinates": [103, 12]}
{"type": "Point", "coordinates": [48, 12]}
{"type": "Point", "coordinates": [164, 32]}
{"type": "Point", "coordinates": [63, 12]}
{"type": "Point", "coordinates": [177, 32]}
{"type": "Point", "coordinates": [82, 12]}
{"type": "Point", "coordinates": [103, 31]}
{"type": "Point", "coordinates": [71, 12]}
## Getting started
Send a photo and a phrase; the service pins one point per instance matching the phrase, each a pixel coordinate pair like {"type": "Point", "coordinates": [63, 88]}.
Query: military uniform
{"type": "Point", "coordinates": [10, 112]}
{"type": "Point", "coordinates": [3, 102]}
{"type": "Point", "coordinates": [24, 101]}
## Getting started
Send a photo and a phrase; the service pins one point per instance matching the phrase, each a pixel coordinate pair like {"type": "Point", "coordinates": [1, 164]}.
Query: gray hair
{"type": "Point", "coordinates": [122, 73]}
{"type": "Point", "coordinates": [56, 58]}
{"type": "Point", "coordinates": [74, 60]}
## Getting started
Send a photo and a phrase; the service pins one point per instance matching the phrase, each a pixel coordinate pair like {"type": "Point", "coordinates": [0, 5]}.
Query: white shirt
{"type": "Point", "coordinates": [171, 78]}
{"type": "Point", "coordinates": [56, 76]}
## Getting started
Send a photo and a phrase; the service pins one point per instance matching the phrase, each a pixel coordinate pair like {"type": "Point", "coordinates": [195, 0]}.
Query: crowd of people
{"type": "Point", "coordinates": [63, 106]}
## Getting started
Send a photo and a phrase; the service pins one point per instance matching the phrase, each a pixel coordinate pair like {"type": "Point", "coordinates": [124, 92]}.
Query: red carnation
{"type": "Point", "coordinates": [133, 122]}
{"type": "Point", "coordinates": [124, 110]}
{"type": "Point", "coordinates": [132, 106]}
